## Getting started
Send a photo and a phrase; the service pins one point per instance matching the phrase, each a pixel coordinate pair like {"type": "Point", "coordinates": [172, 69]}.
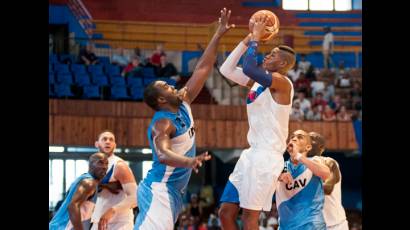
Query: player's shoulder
{"type": "Point", "coordinates": [88, 183]}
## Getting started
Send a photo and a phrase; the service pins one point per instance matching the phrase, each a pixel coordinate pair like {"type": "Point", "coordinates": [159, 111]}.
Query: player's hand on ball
{"type": "Point", "coordinates": [224, 22]}
{"type": "Point", "coordinates": [259, 27]}
{"type": "Point", "coordinates": [197, 161]}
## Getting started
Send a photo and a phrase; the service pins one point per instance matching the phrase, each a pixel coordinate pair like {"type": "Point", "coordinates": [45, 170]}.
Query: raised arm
{"type": "Point", "coordinates": [84, 190]}
{"type": "Point", "coordinates": [207, 60]}
{"type": "Point", "coordinates": [334, 177]}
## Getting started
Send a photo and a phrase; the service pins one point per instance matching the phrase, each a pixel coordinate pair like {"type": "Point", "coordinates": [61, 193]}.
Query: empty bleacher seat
{"type": "Point", "coordinates": [95, 69]}
{"type": "Point", "coordinates": [112, 70]}
{"type": "Point", "coordinates": [148, 81]}
{"type": "Point", "coordinates": [64, 58]}
{"type": "Point", "coordinates": [133, 81]}
{"type": "Point", "coordinates": [91, 91]}
{"type": "Point", "coordinates": [78, 68]}
{"type": "Point", "coordinates": [53, 59]}
{"type": "Point", "coordinates": [51, 79]}
{"type": "Point", "coordinates": [148, 72]}
{"type": "Point", "coordinates": [117, 80]}
{"type": "Point", "coordinates": [62, 69]}
{"type": "Point", "coordinates": [104, 60]}
{"type": "Point", "coordinates": [99, 79]}
{"type": "Point", "coordinates": [63, 90]}
{"type": "Point", "coordinates": [82, 79]}
{"type": "Point", "coordinates": [119, 92]}
{"type": "Point", "coordinates": [137, 92]}
{"type": "Point", "coordinates": [65, 78]}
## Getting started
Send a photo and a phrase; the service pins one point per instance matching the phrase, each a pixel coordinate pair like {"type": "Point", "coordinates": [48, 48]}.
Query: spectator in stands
{"type": "Point", "coordinates": [167, 69]}
{"type": "Point", "coordinates": [344, 81]}
{"type": "Point", "coordinates": [304, 65]}
{"type": "Point", "coordinates": [328, 114]}
{"type": "Point", "coordinates": [294, 73]}
{"type": "Point", "coordinates": [156, 56]}
{"type": "Point", "coordinates": [356, 91]}
{"type": "Point", "coordinates": [342, 115]}
{"type": "Point", "coordinates": [194, 208]}
{"type": "Point", "coordinates": [335, 103]}
{"type": "Point", "coordinates": [119, 58]}
{"type": "Point", "coordinates": [327, 47]}
{"type": "Point", "coordinates": [87, 55]}
{"type": "Point", "coordinates": [137, 53]}
{"type": "Point", "coordinates": [317, 85]}
{"type": "Point", "coordinates": [318, 100]}
{"type": "Point", "coordinates": [133, 69]}
{"type": "Point", "coordinates": [214, 223]}
{"type": "Point", "coordinates": [314, 114]}
{"type": "Point", "coordinates": [304, 103]}
{"type": "Point", "coordinates": [297, 113]}
{"type": "Point", "coordinates": [302, 84]}
{"type": "Point", "coordinates": [329, 90]}
{"type": "Point", "coordinates": [183, 222]}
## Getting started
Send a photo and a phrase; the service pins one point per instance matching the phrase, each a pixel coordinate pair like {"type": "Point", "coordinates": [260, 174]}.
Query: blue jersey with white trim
{"type": "Point", "coordinates": [301, 202]}
{"type": "Point", "coordinates": [61, 219]}
{"type": "Point", "coordinates": [183, 143]}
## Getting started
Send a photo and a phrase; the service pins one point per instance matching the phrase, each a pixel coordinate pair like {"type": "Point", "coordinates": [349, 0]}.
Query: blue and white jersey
{"type": "Point", "coordinates": [300, 204]}
{"type": "Point", "coordinates": [61, 219]}
{"type": "Point", "coordinates": [160, 192]}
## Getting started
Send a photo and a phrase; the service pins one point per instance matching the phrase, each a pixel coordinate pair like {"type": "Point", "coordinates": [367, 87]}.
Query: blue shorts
{"type": "Point", "coordinates": [230, 194]}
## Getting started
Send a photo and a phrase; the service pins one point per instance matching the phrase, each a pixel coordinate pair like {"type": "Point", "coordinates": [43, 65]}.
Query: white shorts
{"type": "Point", "coordinates": [255, 178]}
{"type": "Point", "coordinates": [342, 226]}
{"type": "Point", "coordinates": [116, 226]}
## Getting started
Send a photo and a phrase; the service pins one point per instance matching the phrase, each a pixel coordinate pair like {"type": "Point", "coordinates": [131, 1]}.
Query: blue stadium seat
{"type": "Point", "coordinates": [65, 57]}
{"type": "Point", "coordinates": [148, 72]}
{"type": "Point", "coordinates": [50, 91]}
{"type": "Point", "coordinates": [133, 81]}
{"type": "Point", "coordinates": [78, 68]}
{"type": "Point", "coordinates": [117, 80]}
{"type": "Point", "coordinates": [50, 68]}
{"type": "Point", "coordinates": [119, 92]}
{"type": "Point", "coordinates": [104, 60]}
{"type": "Point", "coordinates": [62, 69]}
{"type": "Point", "coordinates": [112, 70]}
{"type": "Point", "coordinates": [99, 79]}
{"type": "Point", "coordinates": [168, 80]}
{"type": "Point", "coordinates": [51, 79]}
{"type": "Point", "coordinates": [95, 69]}
{"type": "Point", "coordinates": [137, 93]}
{"type": "Point", "coordinates": [53, 59]}
{"type": "Point", "coordinates": [147, 81]}
{"type": "Point", "coordinates": [63, 90]}
{"type": "Point", "coordinates": [91, 91]}
{"type": "Point", "coordinates": [64, 78]}
{"type": "Point", "coordinates": [82, 79]}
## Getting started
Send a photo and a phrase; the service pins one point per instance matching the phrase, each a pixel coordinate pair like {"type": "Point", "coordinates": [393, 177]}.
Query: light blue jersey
{"type": "Point", "coordinates": [61, 219]}
{"type": "Point", "coordinates": [160, 192]}
{"type": "Point", "coordinates": [300, 204]}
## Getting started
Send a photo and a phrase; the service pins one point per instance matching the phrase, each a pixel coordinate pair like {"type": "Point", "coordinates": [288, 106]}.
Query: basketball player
{"type": "Point", "coordinates": [300, 203]}
{"type": "Point", "coordinates": [76, 209]}
{"type": "Point", "coordinates": [171, 136]}
{"type": "Point", "coordinates": [114, 206]}
{"type": "Point", "coordinates": [252, 183]}
{"type": "Point", "coordinates": [333, 211]}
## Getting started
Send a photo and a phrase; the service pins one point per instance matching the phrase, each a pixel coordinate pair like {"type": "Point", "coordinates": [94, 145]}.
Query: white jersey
{"type": "Point", "coordinates": [268, 120]}
{"type": "Point", "coordinates": [106, 199]}
{"type": "Point", "coordinates": [333, 210]}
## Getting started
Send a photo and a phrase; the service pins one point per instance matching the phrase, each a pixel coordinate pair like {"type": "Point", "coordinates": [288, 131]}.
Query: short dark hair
{"type": "Point", "coordinates": [151, 94]}
{"type": "Point", "coordinates": [318, 144]}
{"type": "Point", "coordinates": [287, 49]}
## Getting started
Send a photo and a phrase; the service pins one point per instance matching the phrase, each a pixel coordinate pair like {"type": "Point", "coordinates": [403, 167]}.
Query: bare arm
{"type": "Point", "coordinates": [334, 176]}
{"type": "Point", "coordinates": [207, 60]}
{"type": "Point", "coordinates": [317, 167]}
{"type": "Point", "coordinates": [84, 190]}
{"type": "Point", "coordinates": [162, 132]}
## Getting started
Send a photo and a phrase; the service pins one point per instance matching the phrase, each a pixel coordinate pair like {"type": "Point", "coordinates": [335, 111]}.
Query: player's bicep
{"type": "Point", "coordinates": [123, 173]}
{"type": "Point", "coordinates": [161, 135]}
{"type": "Point", "coordinates": [84, 190]}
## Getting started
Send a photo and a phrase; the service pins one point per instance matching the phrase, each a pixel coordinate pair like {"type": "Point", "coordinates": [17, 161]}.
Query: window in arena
{"type": "Point", "coordinates": [341, 5]}
{"type": "Point", "coordinates": [55, 181]}
{"type": "Point", "coordinates": [295, 4]}
{"type": "Point", "coordinates": [320, 4]}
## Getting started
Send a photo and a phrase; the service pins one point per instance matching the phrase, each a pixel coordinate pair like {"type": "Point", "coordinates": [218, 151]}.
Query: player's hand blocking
{"type": "Point", "coordinates": [223, 21]}
{"type": "Point", "coordinates": [197, 161]}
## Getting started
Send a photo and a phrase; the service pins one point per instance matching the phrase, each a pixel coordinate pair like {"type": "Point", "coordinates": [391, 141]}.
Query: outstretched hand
{"type": "Point", "coordinates": [223, 22]}
{"type": "Point", "coordinates": [259, 27]}
{"type": "Point", "coordinates": [197, 161]}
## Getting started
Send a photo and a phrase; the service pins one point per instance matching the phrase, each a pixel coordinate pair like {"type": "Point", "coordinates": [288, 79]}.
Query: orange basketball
{"type": "Point", "coordinates": [272, 25]}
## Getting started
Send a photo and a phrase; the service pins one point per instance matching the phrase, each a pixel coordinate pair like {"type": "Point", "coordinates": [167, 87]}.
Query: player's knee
{"type": "Point", "coordinates": [226, 214]}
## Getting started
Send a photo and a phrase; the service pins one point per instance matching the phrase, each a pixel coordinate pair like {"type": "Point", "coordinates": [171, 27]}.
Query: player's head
{"type": "Point", "coordinates": [98, 165]}
{"type": "Point", "coordinates": [302, 139]}
{"type": "Point", "coordinates": [106, 142]}
{"type": "Point", "coordinates": [281, 59]}
{"type": "Point", "coordinates": [318, 144]}
{"type": "Point", "coordinates": [159, 94]}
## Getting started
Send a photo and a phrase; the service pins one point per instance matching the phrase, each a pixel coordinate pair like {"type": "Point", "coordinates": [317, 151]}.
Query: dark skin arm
{"type": "Point", "coordinates": [85, 189]}
{"type": "Point", "coordinates": [162, 133]}
{"type": "Point", "coordinates": [207, 60]}
{"type": "Point", "coordinates": [334, 177]}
